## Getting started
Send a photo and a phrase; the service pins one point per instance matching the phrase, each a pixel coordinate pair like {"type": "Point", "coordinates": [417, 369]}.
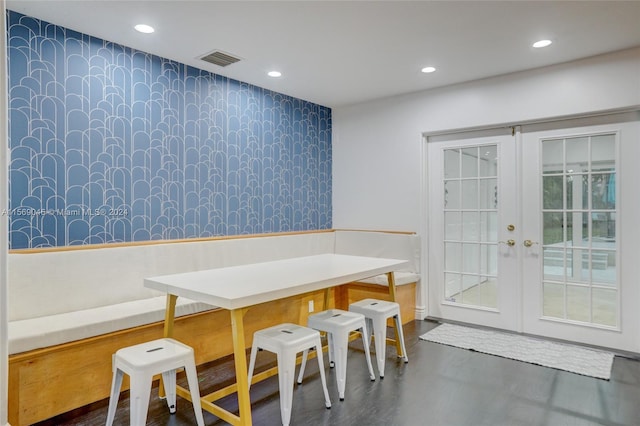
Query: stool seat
{"type": "Point", "coordinates": [377, 312]}
{"type": "Point", "coordinates": [338, 324]}
{"type": "Point", "coordinates": [286, 341]}
{"type": "Point", "coordinates": [145, 360]}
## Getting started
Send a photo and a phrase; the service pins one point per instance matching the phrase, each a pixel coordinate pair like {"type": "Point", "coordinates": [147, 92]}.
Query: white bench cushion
{"type": "Point", "coordinates": [51, 283]}
{"type": "Point", "coordinates": [62, 296]}
{"type": "Point", "coordinates": [52, 330]}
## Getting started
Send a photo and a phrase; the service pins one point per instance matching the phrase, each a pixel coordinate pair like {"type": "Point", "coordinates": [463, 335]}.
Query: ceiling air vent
{"type": "Point", "coordinates": [220, 58]}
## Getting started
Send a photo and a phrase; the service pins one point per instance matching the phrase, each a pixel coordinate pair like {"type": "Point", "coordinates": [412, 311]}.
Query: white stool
{"type": "Point", "coordinates": [286, 341]}
{"type": "Point", "coordinates": [141, 362]}
{"type": "Point", "coordinates": [338, 324]}
{"type": "Point", "coordinates": [377, 312]}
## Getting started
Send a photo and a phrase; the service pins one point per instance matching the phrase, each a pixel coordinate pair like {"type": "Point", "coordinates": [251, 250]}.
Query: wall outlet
{"type": "Point", "coordinates": [310, 305]}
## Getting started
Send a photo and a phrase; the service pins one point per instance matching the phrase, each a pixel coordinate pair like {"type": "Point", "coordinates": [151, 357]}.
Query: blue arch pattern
{"type": "Point", "coordinates": [110, 144]}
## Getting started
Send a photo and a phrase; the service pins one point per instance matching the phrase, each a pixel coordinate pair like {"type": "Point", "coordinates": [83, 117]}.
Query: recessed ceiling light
{"type": "Point", "coordinates": [427, 70]}
{"type": "Point", "coordinates": [147, 29]}
{"type": "Point", "coordinates": [274, 74]}
{"type": "Point", "coordinates": [542, 43]}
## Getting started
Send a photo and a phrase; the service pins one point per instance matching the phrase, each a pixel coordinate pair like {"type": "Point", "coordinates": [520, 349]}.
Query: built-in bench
{"type": "Point", "coordinates": [71, 308]}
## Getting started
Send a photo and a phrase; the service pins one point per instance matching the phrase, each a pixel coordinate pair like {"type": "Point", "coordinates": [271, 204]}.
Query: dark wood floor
{"type": "Point", "coordinates": [440, 385]}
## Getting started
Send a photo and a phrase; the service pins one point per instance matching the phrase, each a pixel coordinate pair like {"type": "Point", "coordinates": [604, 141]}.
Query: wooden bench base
{"type": "Point", "coordinates": [44, 383]}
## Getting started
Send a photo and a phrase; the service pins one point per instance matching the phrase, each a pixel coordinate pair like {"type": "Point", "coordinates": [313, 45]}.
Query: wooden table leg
{"type": "Point", "coordinates": [170, 315]}
{"type": "Point", "coordinates": [392, 285]}
{"type": "Point", "coordinates": [392, 292]}
{"type": "Point", "coordinates": [327, 298]}
{"type": "Point", "coordinates": [341, 297]}
{"type": "Point", "coordinates": [240, 357]}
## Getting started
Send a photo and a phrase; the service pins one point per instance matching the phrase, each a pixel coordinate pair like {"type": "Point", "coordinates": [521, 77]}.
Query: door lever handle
{"type": "Point", "coordinates": [529, 243]}
{"type": "Point", "coordinates": [510, 243]}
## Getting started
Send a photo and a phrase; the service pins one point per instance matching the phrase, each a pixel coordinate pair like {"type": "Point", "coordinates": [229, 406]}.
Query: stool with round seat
{"type": "Point", "coordinates": [338, 324]}
{"type": "Point", "coordinates": [143, 361]}
{"type": "Point", "coordinates": [377, 312]}
{"type": "Point", "coordinates": [286, 341]}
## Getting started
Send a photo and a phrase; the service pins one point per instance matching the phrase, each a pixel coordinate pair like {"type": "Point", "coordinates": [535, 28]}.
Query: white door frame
{"type": "Point", "coordinates": [561, 122]}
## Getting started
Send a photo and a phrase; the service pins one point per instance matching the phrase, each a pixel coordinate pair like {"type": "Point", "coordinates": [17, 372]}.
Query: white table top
{"type": "Point", "coordinates": [246, 285]}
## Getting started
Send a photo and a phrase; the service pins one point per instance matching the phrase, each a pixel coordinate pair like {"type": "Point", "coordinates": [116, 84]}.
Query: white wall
{"type": "Point", "coordinates": [377, 145]}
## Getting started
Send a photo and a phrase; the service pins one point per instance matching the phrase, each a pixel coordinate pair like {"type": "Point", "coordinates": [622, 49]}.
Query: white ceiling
{"type": "Point", "coordinates": [337, 53]}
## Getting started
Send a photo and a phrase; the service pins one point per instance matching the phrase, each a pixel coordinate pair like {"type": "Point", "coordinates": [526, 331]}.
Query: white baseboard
{"type": "Point", "coordinates": [421, 312]}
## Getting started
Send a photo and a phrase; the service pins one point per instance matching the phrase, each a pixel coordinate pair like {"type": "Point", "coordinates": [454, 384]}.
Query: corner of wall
{"type": "Point", "coordinates": [4, 243]}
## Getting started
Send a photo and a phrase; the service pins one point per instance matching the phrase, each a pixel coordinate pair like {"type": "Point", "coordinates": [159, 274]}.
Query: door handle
{"type": "Point", "coordinates": [529, 243]}
{"type": "Point", "coordinates": [510, 243]}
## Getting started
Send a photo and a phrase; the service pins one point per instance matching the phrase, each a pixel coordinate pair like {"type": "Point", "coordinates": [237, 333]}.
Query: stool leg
{"type": "Point", "coordinates": [380, 340]}
{"type": "Point", "coordinates": [169, 382]}
{"type": "Point", "coordinates": [340, 343]}
{"type": "Point", "coordinates": [331, 350]}
{"type": "Point", "coordinates": [286, 370]}
{"type": "Point", "coordinates": [194, 389]}
{"type": "Point", "coordinates": [369, 323]}
{"type": "Point", "coordinates": [303, 364]}
{"type": "Point", "coordinates": [401, 337]}
{"type": "Point", "coordinates": [116, 383]}
{"type": "Point", "coordinates": [252, 363]}
{"type": "Point", "coordinates": [365, 344]}
{"type": "Point", "coordinates": [139, 398]}
{"type": "Point", "coordinates": [327, 401]}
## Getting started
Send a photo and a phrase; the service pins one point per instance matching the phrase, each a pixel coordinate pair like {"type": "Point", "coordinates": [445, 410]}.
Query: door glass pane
{"type": "Point", "coordinates": [451, 163]}
{"type": "Point", "coordinates": [452, 226]}
{"type": "Point", "coordinates": [452, 194]}
{"type": "Point", "coordinates": [605, 306]}
{"type": "Point", "coordinates": [552, 192]}
{"type": "Point", "coordinates": [603, 150]}
{"type": "Point", "coordinates": [489, 160]}
{"type": "Point", "coordinates": [470, 294]}
{"type": "Point", "coordinates": [553, 228]}
{"type": "Point", "coordinates": [452, 286]}
{"type": "Point", "coordinates": [577, 155]}
{"type": "Point", "coordinates": [489, 227]}
{"type": "Point", "coordinates": [603, 228]}
{"type": "Point", "coordinates": [554, 263]}
{"type": "Point", "coordinates": [492, 261]}
{"type": "Point", "coordinates": [580, 258]}
{"type": "Point", "coordinates": [577, 188]}
{"type": "Point", "coordinates": [470, 258]}
{"type": "Point", "coordinates": [488, 193]}
{"type": "Point", "coordinates": [470, 225]}
{"type": "Point", "coordinates": [553, 156]}
{"type": "Point", "coordinates": [470, 194]}
{"type": "Point", "coordinates": [578, 265]}
{"type": "Point", "coordinates": [488, 260]}
{"type": "Point", "coordinates": [603, 267]}
{"type": "Point", "coordinates": [578, 306]}
{"type": "Point", "coordinates": [553, 300]}
{"type": "Point", "coordinates": [577, 229]}
{"type": "Point", "coordinates": [469, 162]}
{"type": "Point", "coordinates": [484, 258]}
{"type": "Point", "coordinates": [603, 191]}
{"type": "Point", "coordinates": [452, 256]}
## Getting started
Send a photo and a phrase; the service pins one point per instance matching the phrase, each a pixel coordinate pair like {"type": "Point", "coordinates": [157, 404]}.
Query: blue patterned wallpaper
{"type": "Point", "coordinates": [110, 144]}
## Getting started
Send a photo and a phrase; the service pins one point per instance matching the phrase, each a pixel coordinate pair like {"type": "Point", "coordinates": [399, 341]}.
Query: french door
{"type": "Point", "coordinates": [473, 272]}
{"type": "Point", "coordinates": [533, 229]}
